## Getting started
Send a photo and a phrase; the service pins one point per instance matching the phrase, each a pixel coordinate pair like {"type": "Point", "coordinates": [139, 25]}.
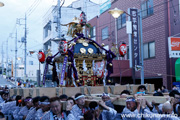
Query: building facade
{"type": "Point", "coordinates": [157, 25]}
{"type": "Point", "coordinates": [32, 66]}
{"type": "Point", "coordinates": [67, 15]}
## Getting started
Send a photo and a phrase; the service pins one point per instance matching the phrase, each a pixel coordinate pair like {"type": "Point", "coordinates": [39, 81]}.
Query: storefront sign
{"type": "Point", "coordinates": [135, 35]}
{"type": "Point", "coordinates": [174, 47]}
{"type": "Point", "coordinates": [105, 6]}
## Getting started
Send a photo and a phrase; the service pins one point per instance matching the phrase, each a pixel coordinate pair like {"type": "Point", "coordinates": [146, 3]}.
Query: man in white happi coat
{"type": "Point", "coordinates": [79, 109]}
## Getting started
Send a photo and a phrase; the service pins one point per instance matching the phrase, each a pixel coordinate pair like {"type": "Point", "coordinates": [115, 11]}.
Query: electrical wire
{"type": "Point", "coordinates": [112, 21]}
{"type": "Point", "coordinates": [32, 5]}
{"type": "Point", "coordinates": [62, 3]}
{"type": "Point", "coordinates": [153, 8]}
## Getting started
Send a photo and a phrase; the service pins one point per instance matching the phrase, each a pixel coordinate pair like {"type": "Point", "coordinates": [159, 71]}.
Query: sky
{"type": "Point", "coordinates": [16, 9]}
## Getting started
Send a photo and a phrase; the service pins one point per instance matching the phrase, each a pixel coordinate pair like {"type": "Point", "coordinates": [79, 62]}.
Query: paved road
{"type": "Point", "coordinates": [4, 82]}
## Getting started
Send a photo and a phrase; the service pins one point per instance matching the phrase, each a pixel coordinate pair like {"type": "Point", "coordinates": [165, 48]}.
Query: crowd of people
{"type": "Point", "coordinates": [45, 108]}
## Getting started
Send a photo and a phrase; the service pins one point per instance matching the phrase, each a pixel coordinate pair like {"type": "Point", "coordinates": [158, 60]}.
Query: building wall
{"type": "Point", "coordinates": [155, 28]}
{"type": "Point", "coordinates": [67, 15]}
{"type": "Point", "coordinates": [31, 69]}
{"type": "Point", "coordinates": [174, 25]}
{"type": "Point", "coordinates": [93, 23]}
{"type": "Point", "coordinates": [90, 8]}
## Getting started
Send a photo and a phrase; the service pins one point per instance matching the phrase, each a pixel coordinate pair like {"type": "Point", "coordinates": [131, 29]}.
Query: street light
{"type": "Point", "coordinates": [1, 4]}
{"type": "Point", "coordinates": [116, 13]}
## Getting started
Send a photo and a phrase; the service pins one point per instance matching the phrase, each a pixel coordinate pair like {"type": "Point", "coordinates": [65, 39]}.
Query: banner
{"type": "Point", "coordinates": [105, 6]}
{"type": "Point", "coordinates": [63, 70]}
{"type": "Point", "coordinates": [135, 35]}
{"type": "Point", "coordinates": [174, 47]}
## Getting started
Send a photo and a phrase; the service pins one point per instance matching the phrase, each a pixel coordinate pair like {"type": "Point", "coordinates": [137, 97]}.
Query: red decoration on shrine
{"type": "Point", "coordinates": [41, 56]}
{"type": "Point", "coordinates": [100, 73]}
{"type": "Point", "coordinates": [62, 46]}
{"type": "Point", "coordinates": [83, 18]}
{"type": "Point", "coordinates": [122, 49]}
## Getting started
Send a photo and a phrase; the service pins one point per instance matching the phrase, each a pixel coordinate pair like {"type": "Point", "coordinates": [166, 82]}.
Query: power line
{"type": "Point", "coordinates": [126, 16]}
{"type": "Point", "coordinates": [35, 6]}
{"type": "Point", "coordinates": [32, 7]}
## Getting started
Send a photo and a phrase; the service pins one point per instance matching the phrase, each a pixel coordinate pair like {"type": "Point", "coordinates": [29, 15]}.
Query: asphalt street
{"type": "Point", "coordinates": [4, 82]}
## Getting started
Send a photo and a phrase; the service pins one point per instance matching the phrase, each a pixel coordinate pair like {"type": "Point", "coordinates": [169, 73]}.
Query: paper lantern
{"type": "Point", "coordinates": [122, 49]}
{"type": "Point", "coordinates": [83, 18]}
{"type": "Point", "coordinates": [41, 56]}
{"type": "Point", "coordinates": [62, 46]}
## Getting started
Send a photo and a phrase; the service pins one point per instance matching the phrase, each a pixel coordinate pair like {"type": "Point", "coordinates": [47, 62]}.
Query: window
{"type": "Point", "coordinates": [79, 8]}
{"type": "Point", "coordinates": [87, 33]}
{"type": "Point", "coordinates": [145, 50]}
{"type": "Point", "coordinates": [93, 33]}
{"type": "Point", "coordinates": [121, 21]}
{"type": "Point", "coordinates": [105, 33]}
{"type": "Point", "coordinates": [152, 49]}
{"type": "Point", "coordinates": [147, 8]}
{"type": "Point", "coordinates": [149, 50]}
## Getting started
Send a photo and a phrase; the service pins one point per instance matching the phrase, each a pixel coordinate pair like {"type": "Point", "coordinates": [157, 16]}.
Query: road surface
{"type": "Point", "coordinates": [4, 82]}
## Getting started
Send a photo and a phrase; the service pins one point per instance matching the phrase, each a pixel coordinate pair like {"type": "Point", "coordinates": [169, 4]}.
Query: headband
{"type": "Point", "coordinates": [131, 99]}
{"type": "Point", "coordinates": [44, 103]}
{"type": "Point", "coordinates": [79, 97]}
{"type": "Point", "coordinates": [28, 100]}
{"type": "Point", "coordinates": [141, 92]}
{"type": "Point", "coordinates": [104, 94]}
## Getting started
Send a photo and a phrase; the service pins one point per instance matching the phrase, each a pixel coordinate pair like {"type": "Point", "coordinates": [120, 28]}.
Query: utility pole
{"type": "Point", "coordinates": [7, 75]}
{"type": "Point", "coordinates": [16, 57]}
{"type": "Point", "coordinates": [85, 11]}
{"type": "Point", "coordinates": [2, 61]}
{"type": "Point", "coordinates": [59, 19]}
{"type": "Point", "coordinates": [25, 41]}
{"type": "Point", "coordinates": [142, 50]}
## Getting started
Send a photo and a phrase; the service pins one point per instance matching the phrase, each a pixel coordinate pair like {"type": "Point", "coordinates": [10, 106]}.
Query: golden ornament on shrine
{"type": "Point", "coordinates": [110, 64]}
{"type": "Point", "coordinates": [102, 44]}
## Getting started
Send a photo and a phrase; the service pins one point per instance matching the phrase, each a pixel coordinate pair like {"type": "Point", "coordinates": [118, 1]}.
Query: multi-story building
{"type": "Point", "coordinates": [32, 66]}
{"type": "Point", "coordinates": [67, 14]}
{"type": "Point", "coordinates": [160, 19]}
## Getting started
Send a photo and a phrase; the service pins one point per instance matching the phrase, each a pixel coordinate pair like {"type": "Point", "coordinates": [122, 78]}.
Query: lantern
{"type": "Point", "coordinates": [62, 46]}
{"type": "Point", "coordinates": [83, 18]}
{"type": "Point", "coordinates": [41, 56]}
{"type": "Point", "coordinates": [122, 49]}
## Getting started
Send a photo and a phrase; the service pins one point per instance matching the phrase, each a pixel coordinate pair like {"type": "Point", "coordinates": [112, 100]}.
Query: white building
{"type": "Point", "coordinates": [67, 14]}
{"type": "Point", "coordinates": [32, 66]}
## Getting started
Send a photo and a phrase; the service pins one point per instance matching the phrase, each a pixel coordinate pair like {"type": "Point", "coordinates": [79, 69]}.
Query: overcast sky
{"type": "Point", "coordinates": [35, 10]}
